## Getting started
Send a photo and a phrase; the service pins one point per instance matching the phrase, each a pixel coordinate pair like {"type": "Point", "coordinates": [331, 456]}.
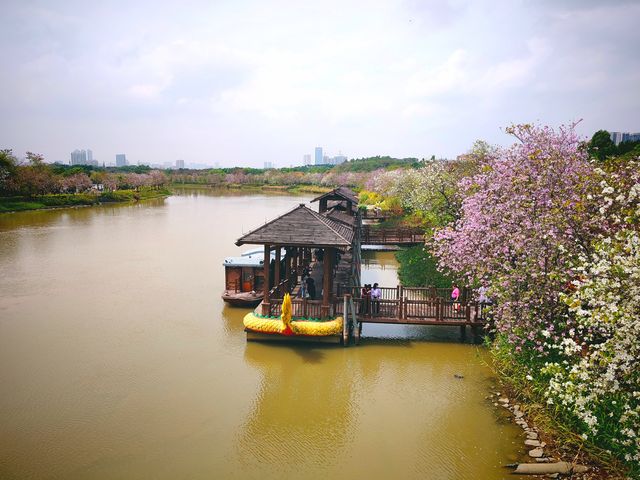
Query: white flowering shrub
{"type": "Point", "coordinates": [598, 379]}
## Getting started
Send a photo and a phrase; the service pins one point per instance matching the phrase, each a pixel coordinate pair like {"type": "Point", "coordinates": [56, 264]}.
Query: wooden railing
{"type": "Point", "coordinates": [391, 236]}
{"type": "Point", "coordinates": [371, 214]}
{"type": "Point", "coordinates": [300, 308]}
{"type": "Point", "coordinates": [279, 290]}
{"type": "Point", "coordinates": [413, 304]}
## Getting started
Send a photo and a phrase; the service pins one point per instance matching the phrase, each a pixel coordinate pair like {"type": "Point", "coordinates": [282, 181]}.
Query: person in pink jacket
{"type": "Point", "coordinates": [455, 296]}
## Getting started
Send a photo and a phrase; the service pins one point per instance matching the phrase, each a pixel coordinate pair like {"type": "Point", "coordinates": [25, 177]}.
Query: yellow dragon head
{"type": "Point", "coordinates": [286, 314]}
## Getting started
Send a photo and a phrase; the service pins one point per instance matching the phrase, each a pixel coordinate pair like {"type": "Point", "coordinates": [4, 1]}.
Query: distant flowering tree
{"type": "Point", "coordinates": [432, 190]}
{"type": "Point", "coordinates": [76, 183]}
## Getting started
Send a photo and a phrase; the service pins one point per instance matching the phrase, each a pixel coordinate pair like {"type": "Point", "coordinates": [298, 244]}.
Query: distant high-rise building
{"type": "Point", "coordinates": [619, 137]}
{"type": "Point", "coordinates": [89, 157]}
{"type": "Point", "coordinates": [318, 156]}
{"type": "Point", "coordinates": [338, 159]}
{"type": "Point", "coordinates": [79, 157]}
{"type": "Point", "coordinates": [268, 165]}
{"type": "Point", "coordinates": [307, 159]}
{"type": "Point", "coordinates": [121, 160]}
{"type": "Point", "coordinates": [179, 163]}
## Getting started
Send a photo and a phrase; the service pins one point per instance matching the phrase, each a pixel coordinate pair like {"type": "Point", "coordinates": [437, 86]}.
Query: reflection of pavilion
{"type": "Point", "coordinates": [324, 244]}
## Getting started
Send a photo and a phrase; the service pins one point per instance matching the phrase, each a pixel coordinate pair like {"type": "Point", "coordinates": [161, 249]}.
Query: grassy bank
{"type": "Point", "coordinates": [19, 204]}
{"type": "Point", "coordinates": [524, 383]}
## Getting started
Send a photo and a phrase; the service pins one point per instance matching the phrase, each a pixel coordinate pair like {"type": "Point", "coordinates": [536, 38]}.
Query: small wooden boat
{"type": "Point", "coordinates": [244, 278]}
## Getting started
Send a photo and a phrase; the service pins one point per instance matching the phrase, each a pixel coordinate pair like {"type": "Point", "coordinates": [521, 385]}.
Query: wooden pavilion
{"type": "Point", "coordinates": [301, 232]}
{"type": "Point", "coordinates": [341, 198]}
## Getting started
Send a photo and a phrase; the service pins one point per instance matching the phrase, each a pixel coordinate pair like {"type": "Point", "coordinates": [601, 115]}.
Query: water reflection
{"type": "Point", "coordinates": [302, 414]}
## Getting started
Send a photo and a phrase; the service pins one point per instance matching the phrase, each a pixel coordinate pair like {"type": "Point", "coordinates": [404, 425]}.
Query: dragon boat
{"type": "Point", "coordinates": [285, 328]}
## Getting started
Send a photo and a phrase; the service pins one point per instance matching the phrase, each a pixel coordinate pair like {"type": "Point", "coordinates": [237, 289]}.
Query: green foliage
{"type": "Point", "coordinates": [7, 168]}
{"type": "Point", "coordinates": [632, 148]}
{"type": "Point", "coordinates": [601, 146]}
{"type": "Point", "coordinates": [419, 269]}
{"type": "Point", "coordinates": [128, 169]}
{"type": "Point", "coordinates": [370, 164]}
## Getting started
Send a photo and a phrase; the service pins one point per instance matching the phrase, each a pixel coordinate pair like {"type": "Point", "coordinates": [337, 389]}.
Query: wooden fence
{"type": "Point", "coordinates": [415, 305]}
{"type": "Point", "coordinates": [390, 236]}
{"type": "Point", "coordinates": [300, 308]}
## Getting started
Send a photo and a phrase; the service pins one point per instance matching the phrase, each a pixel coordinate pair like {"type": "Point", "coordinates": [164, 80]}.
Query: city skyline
{"type": "Point", "coordinates": [404, 78]}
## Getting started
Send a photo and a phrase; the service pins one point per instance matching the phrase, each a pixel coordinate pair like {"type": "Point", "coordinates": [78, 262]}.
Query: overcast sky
{"type": "Point", "coordinates": [244, 82]}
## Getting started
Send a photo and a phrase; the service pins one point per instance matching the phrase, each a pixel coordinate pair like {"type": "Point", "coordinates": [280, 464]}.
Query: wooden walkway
{"type": "Point", "coordinates": [414, 306]}
{"type": "Point", "coordinates": [390, 236]}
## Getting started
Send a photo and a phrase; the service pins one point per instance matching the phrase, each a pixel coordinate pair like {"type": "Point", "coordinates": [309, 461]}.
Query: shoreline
{"type": "Point", "coordinates": [544, 438]}
{"type": "Point", "coordinates": [79, 200]}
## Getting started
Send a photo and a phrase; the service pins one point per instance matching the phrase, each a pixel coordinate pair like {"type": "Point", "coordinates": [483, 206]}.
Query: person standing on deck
{"type": "Point", "coordinates": [311, 287]}
{"type": "Point", "coordinates": [376, 295]}
{"type": "Point", "coordinates": [366, 299]}
{"type": "Point", "coordinates": [455, 296]}
{"type": "Point", "coordinates": [303, 285]}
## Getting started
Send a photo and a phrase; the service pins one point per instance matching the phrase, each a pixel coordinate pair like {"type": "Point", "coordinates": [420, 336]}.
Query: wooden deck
{"type": "Point", "coordinates": [398, 305]}
{"type": "Point", "coordinates": [415, 306]}
{"type": "Point", "coordinates": [391, 236]}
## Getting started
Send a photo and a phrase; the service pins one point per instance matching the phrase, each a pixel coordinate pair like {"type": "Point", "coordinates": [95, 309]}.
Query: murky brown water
{"type": "Point", "coordinates": [119, 360]}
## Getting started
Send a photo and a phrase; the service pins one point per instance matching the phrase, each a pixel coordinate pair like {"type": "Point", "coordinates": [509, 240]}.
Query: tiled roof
{"type": "Point", "coordinates": [340, 216]}
{"type": "Point", "coordinates": [337, 193]}
{"type": "Point", "coordinates": [300, 227]}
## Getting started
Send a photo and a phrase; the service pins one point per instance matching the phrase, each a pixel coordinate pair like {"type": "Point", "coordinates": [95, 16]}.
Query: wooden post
{"type": "Point", "coordinates": [326, 281]}
{"type": "Point", "coordinates": [287, 268]}
{"type": "Point", "coordinates": [265, 298]}
{"type": "Point", "coordinates": [402, 303]}
{"type": "Point", "coordinates": [294, 269]}
{"type": "Point", "coordinates": [276, 273]}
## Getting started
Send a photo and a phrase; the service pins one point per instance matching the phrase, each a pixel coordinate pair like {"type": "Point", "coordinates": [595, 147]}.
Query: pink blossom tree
{"type": "Point", "coordinates": [524, 219]}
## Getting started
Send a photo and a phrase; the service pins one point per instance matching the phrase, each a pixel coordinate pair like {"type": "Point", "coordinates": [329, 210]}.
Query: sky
{"type": "Point", "coordinates": [240, 83]}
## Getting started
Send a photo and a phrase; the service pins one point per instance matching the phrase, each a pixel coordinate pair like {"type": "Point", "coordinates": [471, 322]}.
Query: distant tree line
{"type": "Point", "coordinates": [36, 177]}
{"type": "Point", "coordinates": [354, 173]}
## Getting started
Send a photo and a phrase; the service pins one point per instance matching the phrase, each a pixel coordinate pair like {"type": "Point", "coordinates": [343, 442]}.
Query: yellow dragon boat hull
{"type": "Point", "coordinates": [299, 328]}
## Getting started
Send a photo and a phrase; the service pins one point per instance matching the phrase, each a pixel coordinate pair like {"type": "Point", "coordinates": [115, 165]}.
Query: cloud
{"type": "Point", "coordinates": [401, 77]}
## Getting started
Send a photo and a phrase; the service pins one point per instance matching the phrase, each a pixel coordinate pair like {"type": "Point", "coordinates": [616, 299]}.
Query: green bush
{"type": "Point", "coordinates": [419, 269]}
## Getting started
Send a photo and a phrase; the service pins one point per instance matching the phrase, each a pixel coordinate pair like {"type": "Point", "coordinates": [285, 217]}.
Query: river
{"type": "Point", "coordinates": [118, 359]}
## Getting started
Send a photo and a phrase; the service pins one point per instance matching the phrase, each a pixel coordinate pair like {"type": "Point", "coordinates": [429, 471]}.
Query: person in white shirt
{"type": "Point", "coordinates": [376, 295]}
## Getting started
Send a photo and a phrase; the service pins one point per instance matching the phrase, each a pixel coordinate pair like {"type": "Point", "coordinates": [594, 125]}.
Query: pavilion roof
{"type": "Point", "coordinates": [343, 193]}
{"type": "Point", "coordinates": [340, 216]}
{"type": "Point", "coordinates": [300, 227]}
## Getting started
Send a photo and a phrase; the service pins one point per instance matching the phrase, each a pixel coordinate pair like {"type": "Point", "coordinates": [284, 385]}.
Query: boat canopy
{"type": "Point", "coordinates": [250, 258]}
